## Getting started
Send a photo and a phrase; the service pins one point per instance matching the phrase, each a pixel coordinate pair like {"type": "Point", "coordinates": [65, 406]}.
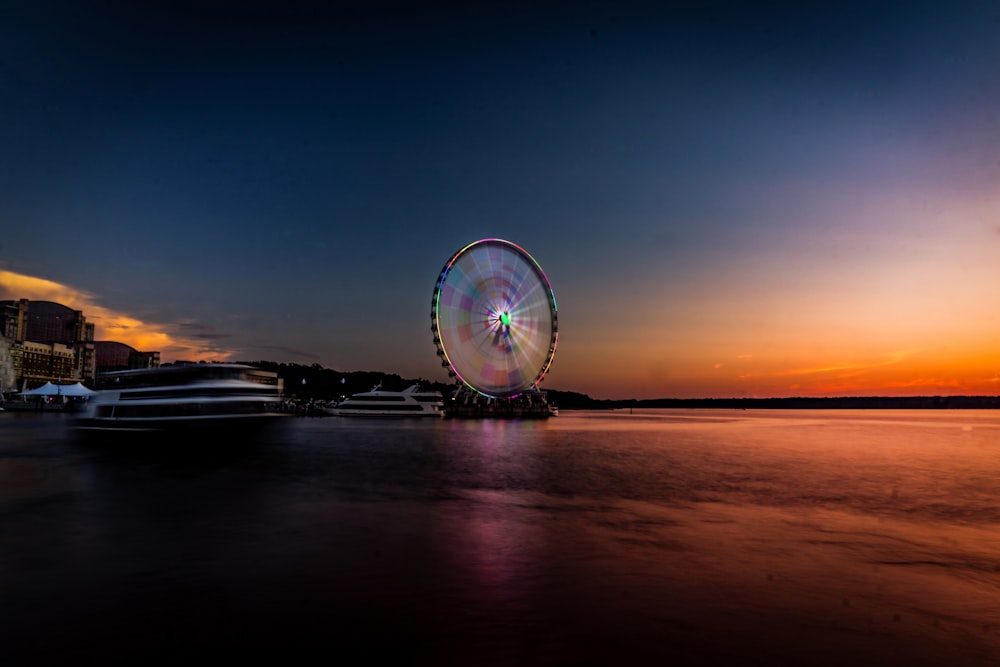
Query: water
{"type": "Point", "coordinates": [698, 537]}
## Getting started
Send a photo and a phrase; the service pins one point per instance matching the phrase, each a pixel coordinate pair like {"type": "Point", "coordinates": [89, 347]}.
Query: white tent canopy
{"type": "Point", "coordinates": [49, 389]}
{"type": "Point", "coordinates": [76, 389]}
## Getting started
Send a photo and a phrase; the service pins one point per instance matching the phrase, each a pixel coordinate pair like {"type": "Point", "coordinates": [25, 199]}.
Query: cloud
{"type": "Point", "coordinates": [170, 340]}
{"type": "Point", "coordinates": [840, 370]}
{"type": "Point", "coordinates": [936, 382]}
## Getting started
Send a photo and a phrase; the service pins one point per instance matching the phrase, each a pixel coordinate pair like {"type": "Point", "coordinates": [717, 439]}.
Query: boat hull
{"type": "Point", "coordinates": [217, 422]}
{"type": "Point", "coordinates": [390, 415]}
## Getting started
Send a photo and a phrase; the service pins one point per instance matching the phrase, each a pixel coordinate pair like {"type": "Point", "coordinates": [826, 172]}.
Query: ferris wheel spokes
{"type": "Point", "coordinates": [494, 318]}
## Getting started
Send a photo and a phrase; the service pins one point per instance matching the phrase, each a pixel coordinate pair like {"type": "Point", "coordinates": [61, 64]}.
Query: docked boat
{"type": "Point", "coordinates": [414, 401]}
{"type": "Point", "coordinates": [236, 399]}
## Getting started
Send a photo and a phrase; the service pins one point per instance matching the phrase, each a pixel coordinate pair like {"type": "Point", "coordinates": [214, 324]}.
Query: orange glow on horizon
{"type": "Point", "coordinates": [110, 324]}
{"type": "Point", "coordinates": [701, 374]}
{"type": "Point", "coordinates": [699, 357]}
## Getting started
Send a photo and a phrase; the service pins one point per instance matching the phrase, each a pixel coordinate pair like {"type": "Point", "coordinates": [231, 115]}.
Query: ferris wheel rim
{"type": "Point", "coordinates": [531, 345]}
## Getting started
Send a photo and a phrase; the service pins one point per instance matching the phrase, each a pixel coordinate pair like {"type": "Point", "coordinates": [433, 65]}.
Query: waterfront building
{"type": "Point", "coordinates": [48, 362]}
{"type": "Point", "coordinates": [44, 341]}
{"type": "Point", "coordinates": [111, 355]}
{"type": "Point", "coordinates": [8, 377]}
{"type": "Point", "coordinates": [50, 323]}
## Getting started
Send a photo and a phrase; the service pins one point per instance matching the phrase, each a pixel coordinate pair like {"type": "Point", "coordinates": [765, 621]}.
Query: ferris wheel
{"type": "Point", "coordinates": [494, 318]}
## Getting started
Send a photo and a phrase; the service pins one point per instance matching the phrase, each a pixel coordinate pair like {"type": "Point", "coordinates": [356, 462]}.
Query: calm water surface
{"type": "Point", "coordinates": [594, 538]}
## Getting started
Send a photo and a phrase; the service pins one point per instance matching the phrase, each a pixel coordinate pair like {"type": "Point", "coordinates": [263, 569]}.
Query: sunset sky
{"type": "Point", "coordinates": [729, 198]}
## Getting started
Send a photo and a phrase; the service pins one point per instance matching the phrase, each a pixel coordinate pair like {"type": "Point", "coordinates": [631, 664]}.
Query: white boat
{"type": "Point", "coordinates": [413, 401]}
{"type": "Point", "coordinates": [235, 399]}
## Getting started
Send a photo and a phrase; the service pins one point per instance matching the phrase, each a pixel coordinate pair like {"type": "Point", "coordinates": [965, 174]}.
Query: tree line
{"type": "Point", "coordinates": [314, 382]}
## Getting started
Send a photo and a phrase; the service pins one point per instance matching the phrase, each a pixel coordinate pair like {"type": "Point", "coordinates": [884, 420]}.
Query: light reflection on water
{"type": "Point", "coordinates": [691, 537]}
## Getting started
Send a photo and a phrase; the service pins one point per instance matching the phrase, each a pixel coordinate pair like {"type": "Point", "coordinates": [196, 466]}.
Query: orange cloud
{"type": "Point", "coordinates": [847, 369]}
{"type": "Point", "coordinates": [110, 324]}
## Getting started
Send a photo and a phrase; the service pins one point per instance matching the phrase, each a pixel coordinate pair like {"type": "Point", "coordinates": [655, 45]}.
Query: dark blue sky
{"type": "Point", "coordinates": [284, 181]}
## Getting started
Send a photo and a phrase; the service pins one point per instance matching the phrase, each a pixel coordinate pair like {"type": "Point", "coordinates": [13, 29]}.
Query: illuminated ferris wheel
{"type": "Point", "coordinates": [494, 318]}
